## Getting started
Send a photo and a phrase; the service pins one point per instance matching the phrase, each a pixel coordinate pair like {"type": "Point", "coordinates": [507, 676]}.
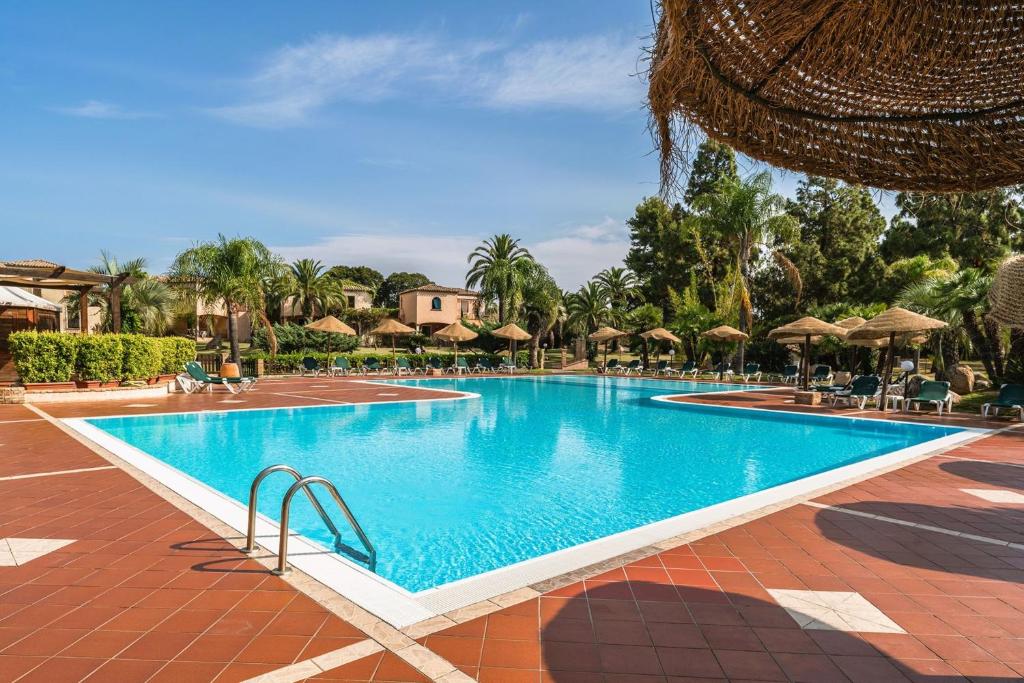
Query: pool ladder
{"type": "Point", "coordinates": [303, 484]}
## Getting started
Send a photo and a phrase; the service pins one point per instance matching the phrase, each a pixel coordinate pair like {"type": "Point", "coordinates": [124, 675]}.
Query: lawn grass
{"type": "Point", "coordinates": [971, 403]}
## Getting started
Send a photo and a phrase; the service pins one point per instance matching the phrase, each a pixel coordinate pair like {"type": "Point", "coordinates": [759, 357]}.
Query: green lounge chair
{"type": "Point", "coordinates": [435, 363]}
{"type": "Point", "coordinates": [723, 369]}
{"type": "Point", "coordinates": [633, 366]}
{"type": "Point", "coordinates": [199, 380]}
{"type": "Point", "coordinates": [373, 365]}
{"type": "Point", "coordinates": [507, 365]}
{"type": "Point", "coordinates": [861, 390]}
{"type": "Point", "coordinates": [460, 367]}
{"type": "Point", "coordinates": [822, 374]}
{"type": "Point", "coordinates": [663, 368]}
{"type": "Point", "coordinates": [611, 366]}
{"type": "Point", "coordinates": [1011, 397]}
{"type": "Point", "coordinates": [790, 373]}
{"type": "Point", "coordinates": [310, 366]}
{"type": "Point", "coordinates": [483, 364]}
{"type": "Point", "coordinates": [751, 370]}
{"type": "Point", "coordinates": [689, 368]}
{"type": "Point", "coordinates": [404, 367]}
{"type": "Point", "coordinates": [935, 393]}
{"type": "Point", "coordinates": [341, 367]}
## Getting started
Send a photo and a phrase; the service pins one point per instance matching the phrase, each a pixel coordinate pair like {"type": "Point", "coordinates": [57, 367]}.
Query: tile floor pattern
{"type": "Point", "coordinates": [147, 593]}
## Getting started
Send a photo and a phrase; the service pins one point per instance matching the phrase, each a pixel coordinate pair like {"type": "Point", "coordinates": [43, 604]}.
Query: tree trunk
{"type": "Point", "coordinates": [744, 265]}
{"type": "Point", "coordinates": [992, 332]}
{"type": "Point", "coordinates": [271, 335]}
{"type": "Point", "coordinates": [981, 342]}
{"type": "Point", "coordinates": [883, 353]}
{"type": "Point", "coordinates": [534, 349]}
{"type": "Point", "coordinates": [233, 331]}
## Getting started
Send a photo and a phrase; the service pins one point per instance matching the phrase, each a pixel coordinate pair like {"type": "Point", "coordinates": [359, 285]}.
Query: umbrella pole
{"type": "Point", "coordinates": [807, 362]}
{"type": "Point", "coordinates": [884, 402]}
{"type": "Point", "coordinates": [721, 363]}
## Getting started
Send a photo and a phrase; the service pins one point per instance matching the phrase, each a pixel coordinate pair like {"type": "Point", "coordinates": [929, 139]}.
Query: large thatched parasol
{"type": "Point", "coordinates": [889, 325]}
{"type": "Point", "coordinates": [455, 333]}
{"type": "Point", "coordinates": [807, 327]}
{"type": "Point", "coordinates": [723, 334]}
{"type": "Point", "coordinates": [659, 334]}
{"type": "Point", "coordinates": [1006, 295]}
{"type": "Point", "coordinates": [331, 325]}
{"type": "Point", "coordinates": [392, 327]}
{"type": "Point", "coordinates": [605, 335]}
{"type": "Point", "coordinates": [921, 96]}
{"type": "Point", "coordinates": [513, 333]}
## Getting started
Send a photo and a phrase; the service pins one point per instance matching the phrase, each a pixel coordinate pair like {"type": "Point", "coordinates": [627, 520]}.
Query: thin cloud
{"type": "Point", "coordinates": [575, 257]}
{"type": "Point", "coordinates": [297, 82]}
{"type": "Point", "coordinates": [98, 109]}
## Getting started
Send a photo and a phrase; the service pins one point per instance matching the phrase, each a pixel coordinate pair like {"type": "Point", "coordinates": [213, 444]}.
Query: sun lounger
{"type": "Point", "coordinates": [935, 393]}
{"type": "Point", "coordinates": [861, 390]}
{"type": "Point", "coordinates": [790, 373]}
{"type": "Point", "coordinates": [634, 366]}
{"type": "Point", "coordinates": [483, 364]}
{"type": "Point", "coordinates": [689, 368]}
{"type": "Point", "coordinates": [373, 365]}
{"type": "Point", "coordinates": [310, 366]}
{"type": "Point", "coordinates": [822, 374]}
{"type": "Point", "coordinates": [751, 370]}
{"type": "Point", "coordinates": [199, 380]}
{"type": "Point", "coordinates": [610, 367]}
{"type": "Point", "coordinates": [460, 367]}
{"type": "Point", "coordinates": [341, 367]}
{"type": "Point", "coordinates": [1011, 397]}
{"type": "Point", "coordinates": [507, 365]}
{"type": "Point", "coordinates": [663, 368]}
{"type": "Point", "coordinates": [404, 367]}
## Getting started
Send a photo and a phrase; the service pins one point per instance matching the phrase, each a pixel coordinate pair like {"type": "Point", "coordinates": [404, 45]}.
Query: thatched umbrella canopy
{"type": "Point", "coordinates": [807, 327]}
{"type": "Point", "coordinates": [889, 325]}
{"type": "Point", "coordinates": [659, 334]}
{"type": "Point", "coordinates": [513, 333]}
{"type": "Point", "coordinates": [455, 333]}
{"type": "Point", "coordinates": [917, 96]}
{"type": "Point", "coordinates": [723, 334]}
{"type": "Point", "coordinates": [1006, 295]}
{"type": "Point", "coordinates": [394, 328]}
{"type": "Point", "coordinates": [605, 335]}
{"type": "Point", "coordinates": [331, 325]}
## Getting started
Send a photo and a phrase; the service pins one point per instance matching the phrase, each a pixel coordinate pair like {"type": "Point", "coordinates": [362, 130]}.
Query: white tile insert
{"type": "Point", "coordinates": [18, 551]}
{"type": "Point", "coordinates": [997, 495]}
{"type": "Point", "coordinates": [834, 611]}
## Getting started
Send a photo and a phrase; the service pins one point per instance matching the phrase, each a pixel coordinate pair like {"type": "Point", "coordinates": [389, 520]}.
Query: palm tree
{"type": "Point", "coordinates": [747, 214]}
{"type": "Point", "coordinates": [314, 289]}
{"type": "Point", "coordinates": [542, 307]}
{"type": "Point", "coordinates": [587, 309]}
{"type": "Point", "coordinates": [621, 287]}
{"type": "Point", "coordinates": [235, 271]}
{"type": "Point", "coordinates": [147, 304]}
{"type": "Point", "coordinates": [500, 268]}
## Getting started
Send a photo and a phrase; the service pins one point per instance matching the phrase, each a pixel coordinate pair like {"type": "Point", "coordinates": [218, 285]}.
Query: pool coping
{"type": "Point", "coordinates": [402, 608]}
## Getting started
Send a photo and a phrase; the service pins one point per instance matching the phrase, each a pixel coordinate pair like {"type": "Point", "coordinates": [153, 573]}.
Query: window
{"type": "Point", "coordinates": [435, 303]}
{"type": "Point", "coordinates": [351, 301]}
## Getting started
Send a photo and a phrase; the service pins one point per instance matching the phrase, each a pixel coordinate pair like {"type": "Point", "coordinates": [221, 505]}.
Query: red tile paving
{"type": "Point", "coordinates": [147, 593]}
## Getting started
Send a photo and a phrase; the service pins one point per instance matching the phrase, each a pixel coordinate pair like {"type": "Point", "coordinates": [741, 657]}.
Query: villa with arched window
{"type": "Point", "coordinates": [431, 307]}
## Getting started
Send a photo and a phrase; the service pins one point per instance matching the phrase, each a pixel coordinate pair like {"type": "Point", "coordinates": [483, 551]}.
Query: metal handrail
{"type": "Point", "coordinates": [250, 538]}
{"type": "Point", "coordinates": [282, 552]}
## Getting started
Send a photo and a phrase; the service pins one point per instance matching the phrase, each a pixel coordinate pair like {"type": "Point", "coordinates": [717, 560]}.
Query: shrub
{"type": "Point", "coordinates": [285, 363]}
{"type": "Point", "coordinates": [142, 356]}
{"type": "Point", "coordinates": [43, 356]}
{"type": "Point", "coordinates": [100, 357]}
{"type": "Point", "coordinates": [174, 353]}
{"type": "Point", "coordinates": [296, 338]}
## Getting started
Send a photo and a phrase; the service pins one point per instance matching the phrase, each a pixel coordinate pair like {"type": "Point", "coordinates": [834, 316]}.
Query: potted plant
{"type": "Point", "coordinates": [44, 360]}
{"type": "Point", "coordinates": [100, 360]}
{"type": "Point", "coordinates": [142, 358]}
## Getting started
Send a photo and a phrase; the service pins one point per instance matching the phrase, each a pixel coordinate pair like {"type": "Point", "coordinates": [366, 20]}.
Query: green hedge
{"type": "Point", "coordinates": [43, 356]}
{"type": "Point", "coordinates": [60, 357]}
{"type": "Point", "coordinates": [284, 363]}
{"type": "Point", "coordinates": [174, 353]}
{"type": "Point", "coordinates": [100, 357]}
{"type": "Point", "coordinates": [142, 357]}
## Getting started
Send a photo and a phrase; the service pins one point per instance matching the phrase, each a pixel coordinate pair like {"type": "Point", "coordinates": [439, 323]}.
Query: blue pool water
{"type": "Point", "coordinates": [450, 489]}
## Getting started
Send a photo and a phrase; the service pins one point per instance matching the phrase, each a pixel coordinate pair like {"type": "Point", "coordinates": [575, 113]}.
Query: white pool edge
{"type": "Point", "coordinates": [402, 608]}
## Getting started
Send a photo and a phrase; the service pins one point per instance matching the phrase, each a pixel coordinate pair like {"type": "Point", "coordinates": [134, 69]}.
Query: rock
{"type": "Point", "coordinates": [954, 397]}
{"type": "Point", "coordinates": [961, 379]}
{"type": "Point", "coordinates": [914, 385]}
{"type": "Point", "coordinates": [982, 384]}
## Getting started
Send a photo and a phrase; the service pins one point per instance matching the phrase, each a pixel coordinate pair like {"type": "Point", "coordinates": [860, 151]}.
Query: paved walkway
{"type": "Point", "coordinates": [916, 574]}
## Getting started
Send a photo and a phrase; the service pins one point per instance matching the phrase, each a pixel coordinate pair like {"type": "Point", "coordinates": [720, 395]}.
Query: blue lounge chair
{"type": "Point", "coordinates": [1011, 397]}
{"type": "Point", "coordinates": [198, 380]}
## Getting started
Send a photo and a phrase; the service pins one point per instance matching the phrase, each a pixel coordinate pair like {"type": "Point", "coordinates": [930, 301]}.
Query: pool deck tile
{"type": "Point", "coordinates": [146, 592]}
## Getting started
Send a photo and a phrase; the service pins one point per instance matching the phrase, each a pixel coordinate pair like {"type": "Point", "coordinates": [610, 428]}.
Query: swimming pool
{"type": "Point", "coordinates": [522, 468]}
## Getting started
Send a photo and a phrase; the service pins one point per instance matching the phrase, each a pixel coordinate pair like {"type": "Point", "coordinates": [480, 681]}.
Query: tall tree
{"type": "Point", "coordinates": [396, 283]}
{"type": "Point", "coordinates": [233, 271]}
{"type": "Point", "coordinates": [976, 229]}
{"type": "Point", "coordinates": [541, 307]}
{"type": "Point", "coordinates": [621, 287]}
{"type": "Point", "coordinates": [712, 162]}
{"type": "Point", "coordinates": [313, 290]}
{"type": "Point", "coordinates": [661, 251]}
{"type": "Point", "coordinates": [750, 217]}
{"type": "Point", "coordinates": [362, 275]}
{"type": "Point", "coordinates": [500, 267]}
{"type": "Point", "coordinates": [587, 309]}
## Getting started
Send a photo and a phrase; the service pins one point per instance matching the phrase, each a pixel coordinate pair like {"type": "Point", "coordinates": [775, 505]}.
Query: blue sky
{"type": "Point", "coordinates": [392, 134]}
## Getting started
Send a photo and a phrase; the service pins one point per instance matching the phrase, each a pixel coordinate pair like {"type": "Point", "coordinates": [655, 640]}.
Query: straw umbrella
{"type": "Point", "coordinates": [513, 333]}
{"type": "Point", "coordinates": [331, 325]}
{"type": "Point", "coordinates": [896, 321]}
{"type": "Point", "coordinates": [606, 334]}
{"type": "Point", "coordinates": [455, 333]}
{"type": "Point", "coordinates": [394, 328]}
{"type": "Point", "coordinates": [807, 327]}
{"type": "Point", "coordinates": [723, 334]}
{"type": "Point", "coordinates": [660, 334]}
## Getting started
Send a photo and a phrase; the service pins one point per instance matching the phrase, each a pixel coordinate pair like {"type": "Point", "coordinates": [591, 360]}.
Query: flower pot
{"type": "Point", "coordinates": [110, 384]}
{"type": "Point", "coordinates": [87, 383]}
{"type": "Point", "coordinates": [48, 386]}
{"type": "Point", "coordinates": [166, 378]}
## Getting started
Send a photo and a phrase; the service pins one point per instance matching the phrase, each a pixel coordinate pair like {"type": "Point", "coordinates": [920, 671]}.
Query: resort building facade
{"type": "Point", "coordinates": [431, 307]}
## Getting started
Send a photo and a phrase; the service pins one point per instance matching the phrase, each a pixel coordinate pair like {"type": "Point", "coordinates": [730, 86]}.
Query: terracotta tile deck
{"type": "Point", "coordinates": [145, 592]}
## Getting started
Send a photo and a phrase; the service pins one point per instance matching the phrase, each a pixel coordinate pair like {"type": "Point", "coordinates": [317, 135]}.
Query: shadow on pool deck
{"type": "Point", "coordinates": [993, 473]}
{"type": "Point", "coordinates": [626, 630]}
